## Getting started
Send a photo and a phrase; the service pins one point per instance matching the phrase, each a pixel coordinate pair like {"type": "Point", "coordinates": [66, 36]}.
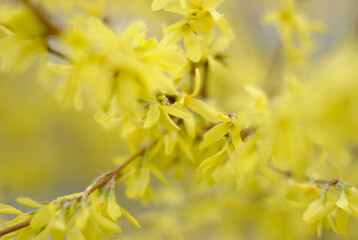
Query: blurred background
{"type": "Point", "coordinates": [47, 151]}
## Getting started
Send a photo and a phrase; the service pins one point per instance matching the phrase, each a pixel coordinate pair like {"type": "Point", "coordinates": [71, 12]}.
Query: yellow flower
{"type": "Point", "coordinates": [344, 209]}
{"type": "Point", "coordinates": [232, 126]}
{"type": "Point", "coordinates": [9, 209]}
{"type": "Point", "coordinates": [23, 41]}
{"type": "Point", "coordinates": [293, 26]}
{"type": "Point", "coordinates": [203, 13]}
{"type": "Point", "coordinates": [189, 102]}
{"type": "Point", "coordinates": [29, 202]}
{"type": "Point", "coordinates": [318, 210]}
{"type": "Point", "coordinates": [137, 177]}
{"type": "Point", "coordinates": [113, 210]}
{"type": "Point", "coordinates": [186, 30]}
{"type": "Point", "coordinates": [209, 165]}
{"type": "Point", "coordinates": [159, 114]}
{"type": "Point", "coordinates": [159, 4]}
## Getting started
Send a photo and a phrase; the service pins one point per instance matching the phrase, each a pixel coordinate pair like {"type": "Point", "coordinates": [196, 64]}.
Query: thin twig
{"type": "Point", "coordinates": [104, 179]}
{"type": "Point", "coordinates": [114, 173]}
{"type": "Point", "coordinates": [43, 16]}
{"type": "Point", "coordinates": [57, 53]}
{"type": "Point", "coordinates": [286, 173]}
{"type": "Point", "coordinates": [15, 227]}
{"type": "Point", "coordinates": [326, 183]}
{"type": "Point", "coordinates": [204, 89]}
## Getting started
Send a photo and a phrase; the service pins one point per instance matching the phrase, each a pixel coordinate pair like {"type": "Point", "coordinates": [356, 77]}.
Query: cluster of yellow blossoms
{"type": "Point", "coordinates": [77, 216]}
{"type": "Point", "coordinates": [153, 91]}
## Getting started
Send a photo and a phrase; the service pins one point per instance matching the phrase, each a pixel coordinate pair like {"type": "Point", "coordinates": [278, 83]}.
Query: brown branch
{"type": "Point", "coordinates": [114, 173]}
{"type": "Point", "coordinates": [326, 183]}
{"type": "Point", "coordinates": [104, 179]}
{"type": "Point", "coordinates": [286, 173]}
{"type": "Point", "coordinates": [204, 89]}
{"type": "Point", "coordinates": [57, 53]}
{"type": "Point", "coordinates": [43, 16]}
{"type": "Point", "coordinates": [15, 227]}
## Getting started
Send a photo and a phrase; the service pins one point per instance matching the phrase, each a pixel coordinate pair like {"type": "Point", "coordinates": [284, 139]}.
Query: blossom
{"type": "Point", "coordinates": [93, 216]}
{"type": "Point", "coordinates": [23, 40]}
{"type": "Point", "coordinates": [292, 26]}
{"type": "Point", "coordinates": [202, 13]}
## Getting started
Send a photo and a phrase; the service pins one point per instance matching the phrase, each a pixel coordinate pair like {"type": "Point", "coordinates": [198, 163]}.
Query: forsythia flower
{"type": "Point", "coordinates": [151, 91]}
{"type": "Point", "coordinates": [203, 13]}
{"type": "Point", "coordinates": [121, 70]}
{"type": "Point", "coordinates": [92, 217]}
{"type": "Point", "coordinates": [293, 26]}
{"type": "Point", "coordinates": [23, 40]}
{"type": "Point", "coordinates": [226, 136]}
{"type": "Point", "coordinates": [201, 16]}
{"type": "Point", "coordinates": [328, 206]}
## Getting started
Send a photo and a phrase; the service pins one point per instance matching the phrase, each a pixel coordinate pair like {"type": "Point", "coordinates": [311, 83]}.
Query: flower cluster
{"type": "Point", "coordinates": [154, 92]}
{"type": "Point", "coordinates": [86, 215]}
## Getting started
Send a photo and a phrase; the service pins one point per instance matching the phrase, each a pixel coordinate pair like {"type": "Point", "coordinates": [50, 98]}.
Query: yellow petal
{"type": "Point", "coordinates": [58, 224]}
{"type": "Point", "coordinates": [29, 202]}
{"type": "Point", "coordinates": [175, 111]}
{"type": "Point", "coordinates": [223, 24]}
{"type": "Point", "coordinates": [203, 110]}
{"type": "Point", "coordinates": [261, 102]}
{"type": "Point", "coordinates": [153, 115]}
{"type": "Point", "coordinates": [170, 141]}
{"type": "Point", "coordinates": [175, 7]}
{"type": "Point", "coordinates": [214, 135]}
{"type": "Point", "coordinates": [158, 4]}
{"type": "Point", "coordinates": [42, 217]}
{"type": "Point", "coordinates": [155, 170]}
{"type": "Point", "coordinates": [212, 4]}
{"type": "Point", "coordinates": [353, 209]}
{"type": "Point", "coordinates": [192, 46]}
{"type": "Point", "coordinates": [171, 37]}
{"type": "Point", "coordinates": [9, 209]}
{"type": "Point", "coordinates": [166, 122]}
{"type": "Point", "coordinates": [197, 83]}
{"type": "Point", "coordinates": [317, 210]}
{"type": "Point", "coordinates": [81, 217]}
{"type": "Point", "coordinates": [208, 166]}
{"type": "Point", "coordinates": [343, 203]}
{"type": "Point", "coordinates": [341, 220]}
{"type": "Point", "coordinates": [24, 234]}
{"type": "Point", "coordinates": [233, 156]}
{"type": "Point", "coordinates": [235, 136]}
{"type": "Point", "coordinates": [240, 122]}
{"type": "Point", "coordinates": [182, 3]}
{"type": "Point", "coordinates": [10, 236]}
{"type": "Point", "coordinates": [113, 209]}
{"type": "Point", "coordinates": [130, 218]}
{"type": "Point", "coordinates": [185, 148]}
{"type": "Point", "coordinates": [106, 223]}
{"type": "Point", "coordinates": [99, 30]}
{"type": "Point", "coordinates": [44, 234]}
{"type": "Point", "coordinates": [189, 124]}
{"type": "Point", "coordinates": [332, 224]}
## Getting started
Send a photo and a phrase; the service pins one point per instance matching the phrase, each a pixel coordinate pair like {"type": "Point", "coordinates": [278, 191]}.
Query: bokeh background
{"type": "Point", "coordinates": [47, 150]}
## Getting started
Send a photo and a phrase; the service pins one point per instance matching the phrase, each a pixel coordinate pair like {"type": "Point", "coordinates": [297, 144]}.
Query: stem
{"type": "Point", "coordinates": [57, 53]}
{"type": "Point", "coordinates": [114, 173]}
{"type": "Point", "coordinates": [43, 16]}
{"type": "Point", "coordinates": [15, 227]}
{"type": "Point", "coordinates": [289, 174]}
{"type": "Point", "coordinates": [105, 178]}
{"type": "Point", "coordinates": [204, 89]}
{"type": "Point", "coordinates": [272, 70]}
{"type": "Point", "coordinates": [286, 173]}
